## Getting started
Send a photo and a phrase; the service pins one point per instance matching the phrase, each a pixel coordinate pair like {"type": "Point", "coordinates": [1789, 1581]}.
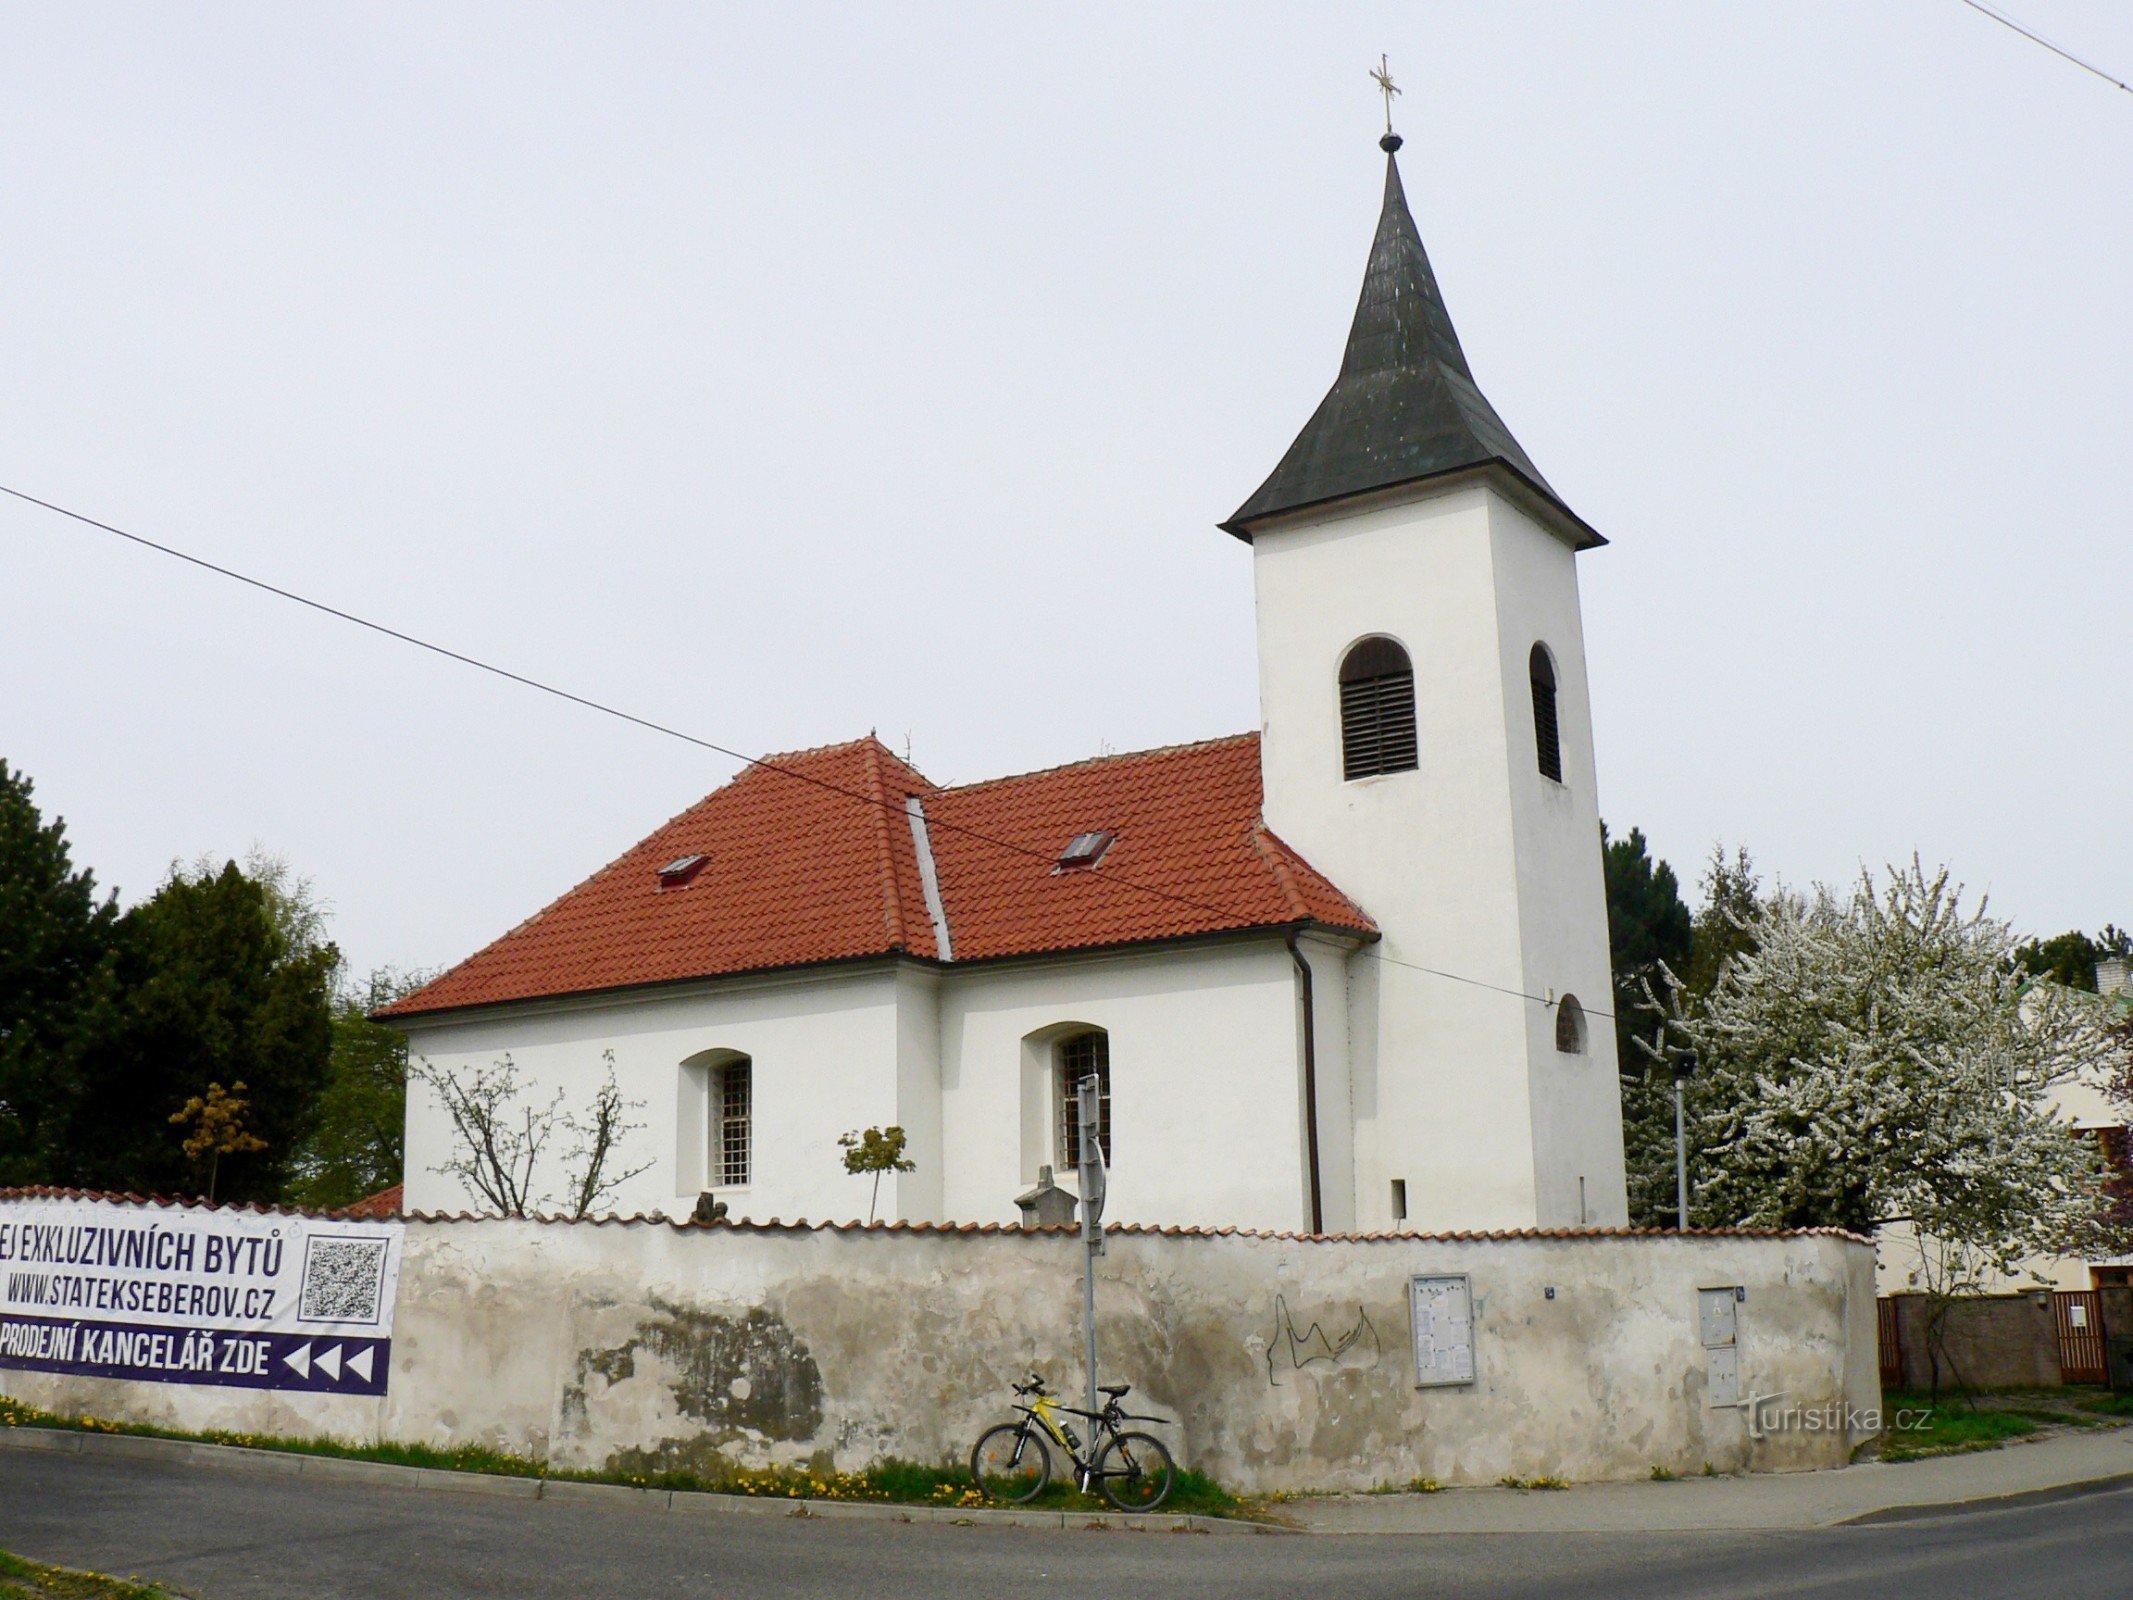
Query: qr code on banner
{"type": "Point", "coordinates": [342, 1278]}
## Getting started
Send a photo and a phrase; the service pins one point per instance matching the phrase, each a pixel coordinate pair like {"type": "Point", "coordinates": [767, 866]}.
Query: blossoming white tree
{"type": "Point", "coordinates": [1879, 1056]}
{"type": "Point", "coordinates": [498, 1140]}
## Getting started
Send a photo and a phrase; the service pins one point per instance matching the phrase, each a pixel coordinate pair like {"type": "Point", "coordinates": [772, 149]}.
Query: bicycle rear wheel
{"type": "Point", "coordinates": [1010, 1463]}
{"type": "Point", "coordinates": [1136, 1471]}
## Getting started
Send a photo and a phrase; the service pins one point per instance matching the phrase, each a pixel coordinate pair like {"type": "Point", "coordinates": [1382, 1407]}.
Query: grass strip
{"type": "Point", "coordinates": [890, 1482]}
{"type": "Point", "coordinates": [1951, 1427]}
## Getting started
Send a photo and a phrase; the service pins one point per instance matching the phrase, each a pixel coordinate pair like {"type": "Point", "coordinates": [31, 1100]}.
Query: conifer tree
{"type": "Point", "coordinates": [218, 983]}
{"type": "Point", "coordinates": [1652, 935]}
{"type": "Point", "coordinates": [354, 1148]}
{"type": "Point", "coordinates": [57, 982]}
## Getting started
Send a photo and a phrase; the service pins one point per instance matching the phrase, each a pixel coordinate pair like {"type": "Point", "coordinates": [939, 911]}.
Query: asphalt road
{"type": "Point", "coordinates": [222, 1534]}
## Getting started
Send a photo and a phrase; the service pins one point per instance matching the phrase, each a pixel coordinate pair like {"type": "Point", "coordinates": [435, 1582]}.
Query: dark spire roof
{"type": "Point", "coordinates": [1405, 406]}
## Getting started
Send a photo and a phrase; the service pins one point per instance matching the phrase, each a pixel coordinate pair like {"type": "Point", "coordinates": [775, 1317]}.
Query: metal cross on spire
{"type": "Point", "coordinates": [1381, 75]}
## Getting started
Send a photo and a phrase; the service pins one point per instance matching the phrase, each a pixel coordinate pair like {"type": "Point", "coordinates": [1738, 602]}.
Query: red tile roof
{"type": "Point", "coordinates": [810, 859]}
{"type": "Point", "coordinates": [385, 1203]}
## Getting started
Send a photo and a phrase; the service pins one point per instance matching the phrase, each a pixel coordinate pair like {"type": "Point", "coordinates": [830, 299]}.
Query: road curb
{"type": "Point", "coordinates": [693, 1502]}
{"type": "Point", "coordinates": [1929, 1510]}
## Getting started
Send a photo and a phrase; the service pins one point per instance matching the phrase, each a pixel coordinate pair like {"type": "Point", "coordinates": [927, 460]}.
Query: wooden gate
{"type": "Point", "coordinates": [2079, 1314]}
{"type": "Point", "coordinates": [1891, 1345]}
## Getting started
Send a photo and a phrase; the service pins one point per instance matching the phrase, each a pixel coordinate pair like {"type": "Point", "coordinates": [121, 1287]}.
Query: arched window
{"type": "Point", "coordinates": [732, 1122]}
{"type": "Point", "coordinates": [1083, 1055]}
{"type": "Point", "coordinates": [1547, 737]}
{"type": "Point", "coordinates": [713, 1121]}
{"type": "Point", "coordinates": [1377, 710]}
{"type": "Point", "coordinates": [1570, 1026]}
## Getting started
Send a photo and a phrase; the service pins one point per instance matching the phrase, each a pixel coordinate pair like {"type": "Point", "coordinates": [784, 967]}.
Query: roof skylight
{"type": "Point", "coordinates": [1085, 850]}
{"type": "Point", "coordinates": [679, 871]}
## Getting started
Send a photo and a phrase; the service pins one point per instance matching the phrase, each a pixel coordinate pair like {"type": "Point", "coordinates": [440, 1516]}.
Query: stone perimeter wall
{"type": "Point", "coordinates": [1288, 1363]}
{"type": "Point", "coordinates": [2000, 1341]}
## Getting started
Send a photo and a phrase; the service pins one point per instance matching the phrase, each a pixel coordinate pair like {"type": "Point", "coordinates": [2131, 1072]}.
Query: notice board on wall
{"type": "Point", "coordinates": [1441, 1307]}
{"type": "Point", "coordinates": [178, 1294]}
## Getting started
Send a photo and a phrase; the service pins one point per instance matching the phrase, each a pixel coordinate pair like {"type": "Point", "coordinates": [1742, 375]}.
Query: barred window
{"type": "Point", "coordinates": [1377, 710]}
{"type": "Point", "coordinates": [1547, 737]}
{"type": "Point", "coordinates": [1570, 1026]}
{"type": "Point", "coordinates": [732, 1097]}
{"type": "Point", "coordinates": [1084, 1055]}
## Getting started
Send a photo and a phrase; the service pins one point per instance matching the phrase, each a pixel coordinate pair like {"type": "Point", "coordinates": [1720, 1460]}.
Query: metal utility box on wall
{"type": "Point", "coordinates": [1718, 1325]}
{"type": "Point", "coordinates": [1441, 1308]}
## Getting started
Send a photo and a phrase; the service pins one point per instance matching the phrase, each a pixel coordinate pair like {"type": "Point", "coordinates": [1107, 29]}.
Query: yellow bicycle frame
{"type": "Point", "coordinates": [1045, 1410]}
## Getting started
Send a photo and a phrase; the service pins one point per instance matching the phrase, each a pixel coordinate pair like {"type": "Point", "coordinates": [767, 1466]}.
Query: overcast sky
{"type": "Point", "coordinates": [786, 372]}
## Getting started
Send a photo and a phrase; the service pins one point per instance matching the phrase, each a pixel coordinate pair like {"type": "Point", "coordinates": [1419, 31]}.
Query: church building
{"type": "Point", "coordinates": [1330, 975]}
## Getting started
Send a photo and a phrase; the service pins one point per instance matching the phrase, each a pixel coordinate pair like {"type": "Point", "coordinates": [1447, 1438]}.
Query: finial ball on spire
{"type": "Point", "coordinates": [1390, 143]}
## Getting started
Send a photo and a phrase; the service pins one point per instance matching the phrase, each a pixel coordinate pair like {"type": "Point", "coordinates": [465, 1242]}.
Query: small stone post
{"type": "Point", "coordinates": [1047, 1205]}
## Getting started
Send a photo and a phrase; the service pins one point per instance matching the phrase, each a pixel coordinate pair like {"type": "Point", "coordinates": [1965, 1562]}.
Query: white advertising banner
{"type": "Point", "coordinates": [180, 1295]}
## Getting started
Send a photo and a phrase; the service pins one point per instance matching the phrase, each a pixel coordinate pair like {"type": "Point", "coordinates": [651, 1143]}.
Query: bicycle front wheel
{"type": "Point", "coordinates": [1011, 1464]}
{"type": "Point", "coordinates": [1136, 1472]}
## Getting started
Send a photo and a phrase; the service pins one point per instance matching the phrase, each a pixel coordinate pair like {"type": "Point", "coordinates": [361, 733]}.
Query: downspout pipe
{"type": "Point", "coordinates": [1310, 1074]}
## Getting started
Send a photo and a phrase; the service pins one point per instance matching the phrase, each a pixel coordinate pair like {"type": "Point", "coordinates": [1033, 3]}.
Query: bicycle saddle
{"type": "Point", "coordinates": [1116, 1391]}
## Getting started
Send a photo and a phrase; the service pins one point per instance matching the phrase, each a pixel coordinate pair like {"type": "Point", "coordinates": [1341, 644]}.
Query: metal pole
{"type": "Point", "coordinates": [1088, 1323]}
{"type": "Point", "coordinates": [1681, 1163]}
{"type": "Point", "coordinates": [1087, 1113]}
{"type": "Point", "coordinates": [1684, 1069]}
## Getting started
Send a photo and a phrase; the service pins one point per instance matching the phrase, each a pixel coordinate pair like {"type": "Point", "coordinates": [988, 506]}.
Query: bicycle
{"type": "Point", "coordinates": [1013, 1462]}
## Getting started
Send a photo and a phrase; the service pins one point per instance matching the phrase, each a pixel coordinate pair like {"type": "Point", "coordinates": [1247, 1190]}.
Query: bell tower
{"type": "Point", "coordinates": [1426, 741]}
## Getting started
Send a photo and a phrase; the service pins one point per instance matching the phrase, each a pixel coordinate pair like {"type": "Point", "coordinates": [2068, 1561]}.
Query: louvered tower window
{"type": "Point", "coordinates": [1547, 736]}
{"type": "Point", "coordinates": [1377, 710]}
{"type": "Point", "coordinates": [1084, 1055]}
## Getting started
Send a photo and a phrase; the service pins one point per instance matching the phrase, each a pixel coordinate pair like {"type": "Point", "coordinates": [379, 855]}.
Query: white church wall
{"type": "Point", "coordinates": [1204, 1082]}
{"type": "Point", "coordinates": [1371, 1167]}
{"type": "Point", "coordinates": [1575, 1099]}
{"type": "Point", "coordinates": [1330, 961]}
{"type": "Point", "coordinates": [1430, 854]}
{"type": "Point", "coordinates": [918, 1195]}
{"type": "Point", "coordinates": [825, 1048]}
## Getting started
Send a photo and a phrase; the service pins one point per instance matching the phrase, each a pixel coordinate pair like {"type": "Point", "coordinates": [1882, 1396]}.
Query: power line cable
{"type": "Point", "coordinates": [2033, 37]}
{"type": "Point", "coordinates": [647, 723]}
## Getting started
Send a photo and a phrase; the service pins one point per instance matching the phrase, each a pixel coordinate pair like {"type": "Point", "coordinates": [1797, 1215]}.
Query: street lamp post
{"type": "Point", "coordinates": [1684, 1069]}
{"type": "Point", "coordinates": [1094, 1181]}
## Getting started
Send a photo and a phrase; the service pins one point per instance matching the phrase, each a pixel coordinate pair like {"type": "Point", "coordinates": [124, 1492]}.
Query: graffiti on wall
{"type": "Point", "coordinates": [1289, 1350]}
